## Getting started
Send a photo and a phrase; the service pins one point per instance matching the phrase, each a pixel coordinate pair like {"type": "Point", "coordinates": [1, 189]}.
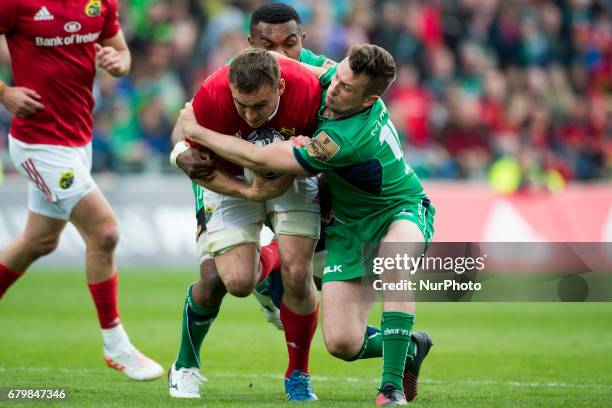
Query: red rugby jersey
{"type": "Point", "coordinates": [214, 107]}
{"type": "Point", "coordinates": [52, 51]}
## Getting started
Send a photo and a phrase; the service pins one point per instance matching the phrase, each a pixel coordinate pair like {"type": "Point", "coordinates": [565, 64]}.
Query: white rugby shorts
{"type": "Point", "coordinates": [231, 220]}
{"type": "Point", "coordinates": [59, 176]}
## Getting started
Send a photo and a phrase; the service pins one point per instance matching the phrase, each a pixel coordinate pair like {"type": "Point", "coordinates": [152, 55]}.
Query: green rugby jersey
{"type": "Point", "coordinates": [362, 159]}
{"type": "Point", "coordinates": [307, 57]}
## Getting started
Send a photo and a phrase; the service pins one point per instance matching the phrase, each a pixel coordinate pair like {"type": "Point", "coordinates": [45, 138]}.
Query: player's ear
{"type": "Point", "coordinates": [250, 40]}
{"type": "Point", "coordinates": [370, 100]}
{"type": "Point", "coordinates": [281, 86]}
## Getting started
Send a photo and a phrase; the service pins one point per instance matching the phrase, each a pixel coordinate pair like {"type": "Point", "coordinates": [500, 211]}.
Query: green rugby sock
{"type": "Point", "coordinates": [196, 322]}
{"type": "Point", "coordinates": [372, 345]}
{"type": "Point", "coordinates": [396, 328]}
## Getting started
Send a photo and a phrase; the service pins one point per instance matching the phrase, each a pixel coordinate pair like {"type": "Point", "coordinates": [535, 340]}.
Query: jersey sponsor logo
{"type": "Point", "coordinates": [322, 147]}
{"type": "Point", "coordinates": [43, 15]}
{"type": "Point", "coordinates": [336, 268]}
{"type": "Point", "coordinates": [67, 40]}
{"type": "Point", "coordinates": [72, 26]}
{"type": "Point", "coordinates": [93, 8]}
{"type": "Point", "coordinates": [287, 132]}
{"type": "Point", "coordinates": [66, 179]}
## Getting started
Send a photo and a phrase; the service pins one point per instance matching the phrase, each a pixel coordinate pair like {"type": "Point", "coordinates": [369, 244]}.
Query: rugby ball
{"type": "Point", "coordinates": [263, 137]}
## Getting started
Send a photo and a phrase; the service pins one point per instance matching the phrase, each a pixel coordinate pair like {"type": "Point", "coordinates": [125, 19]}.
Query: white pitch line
{"type": "Point", "coordinates": [323, 378]}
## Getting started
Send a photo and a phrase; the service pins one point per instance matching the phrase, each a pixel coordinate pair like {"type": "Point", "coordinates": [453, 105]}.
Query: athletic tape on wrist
{"type": "Point", "coordinates": [179, 148]}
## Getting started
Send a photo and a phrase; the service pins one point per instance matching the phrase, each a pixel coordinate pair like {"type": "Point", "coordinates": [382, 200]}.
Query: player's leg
{"type": "Point", "coordinates": [232, 231]}
{"type": "Point", "coordinates": [202, 303]}
{"type": "Point", "coordinates": [239, 268]}
{"type": "Point", "coordinates": [347, 301]}
{"type": "Point", "coordinates": [45, 222]}
{"type": "Point", "coordinates": [405, 238]}
{"type": "Point", "coordinates": [409, 233]}
{"type": "Point", "coordinates": [39, 238]}
{"type": "Point", "coordinates": [200, 308]}
{"type": "Point", "coordinates": [94, 219]}
{"type": "Point", "coordinates": [296, 221]}
{"type": "Point", "coordinates": [344, 317]}
{"type": "Point", "coordinates": [298, 312]}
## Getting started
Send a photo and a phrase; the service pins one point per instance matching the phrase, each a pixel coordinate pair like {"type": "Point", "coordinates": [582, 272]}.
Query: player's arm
{"type": "Point", "coordinates": [318, 71]}
{"type": "Point", "coordinates": [262, 189]}
{"type": "Point", "coordinates": [195, 163]}
{"type": "Point", "coordinates": [113, 55]}
{"type": "Point", "coordinates": [275, 156]}
{"type": "Point", "coordinates": [200, 167]}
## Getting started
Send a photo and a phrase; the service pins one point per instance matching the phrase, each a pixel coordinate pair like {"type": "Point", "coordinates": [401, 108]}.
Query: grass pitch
{"type": "Point", "coordinates": [484, 354]}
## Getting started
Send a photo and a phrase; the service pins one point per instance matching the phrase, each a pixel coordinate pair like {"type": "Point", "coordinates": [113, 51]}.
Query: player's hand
{"type": "Point", "coordinates": [109, 59]}
{"type": "Point", "coordinates": [21, 102]}
{"type": "Point", "coordinates": [188, 122]}
{"type": "Point", "coordinates": [196, 164]}
{"type": "Point", "coordinates": [264, 189]}
{"type": "Point", "coordinates": [299, 141]}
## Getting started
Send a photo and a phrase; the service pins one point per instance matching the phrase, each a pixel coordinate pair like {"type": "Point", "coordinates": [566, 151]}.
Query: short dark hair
{"type": "Point", "coordinates": [252, 69]}
{"type": "Point", "coordinates": [374, 62]}
{"type": "Point", "coordinates": [276, 13]}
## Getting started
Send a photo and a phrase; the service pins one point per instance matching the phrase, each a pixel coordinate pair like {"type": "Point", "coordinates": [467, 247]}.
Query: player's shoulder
{"type": "Point", "coordinates": [218, 78]}
{"type": "Point", "coordinates": [215, 84]}
{"type": "Point", "coordinates": [310, 58]}
{"type": "Point", "coordinates": [302, 87]}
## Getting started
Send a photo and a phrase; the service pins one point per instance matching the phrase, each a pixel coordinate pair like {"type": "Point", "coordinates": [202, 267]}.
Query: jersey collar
{"type": "Point", "coordinates": [275, 110]}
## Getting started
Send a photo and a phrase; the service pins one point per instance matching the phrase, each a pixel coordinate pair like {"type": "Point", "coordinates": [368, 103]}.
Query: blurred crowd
{"type": "Point", "coordinates": [517, 90]}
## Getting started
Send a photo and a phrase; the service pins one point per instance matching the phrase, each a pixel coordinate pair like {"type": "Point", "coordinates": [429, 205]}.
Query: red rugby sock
{"type": "Point", "coordinates": [7, 278]}
{"type": "Point", "coordinates": [299, 330]}
{"type": "Point", "coordinates": [104, 295]}
{"type": "Point", "coordinates": [270, 260]}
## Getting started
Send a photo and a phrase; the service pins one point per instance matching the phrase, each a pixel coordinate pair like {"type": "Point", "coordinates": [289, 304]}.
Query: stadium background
{"type": "Point", "coordinates": [505, 110]}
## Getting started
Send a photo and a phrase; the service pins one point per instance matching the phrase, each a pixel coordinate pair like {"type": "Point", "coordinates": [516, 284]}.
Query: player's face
{"type": "Point", "coordinates": [345, 94]}
{"type": "Point", "coordinates": [257, 107]}
{"type": "Point", "coordinates": [285, 38]}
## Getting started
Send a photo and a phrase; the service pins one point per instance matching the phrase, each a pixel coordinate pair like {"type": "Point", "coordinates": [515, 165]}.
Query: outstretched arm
{"type": "Point", "coordinates": [275, 156]}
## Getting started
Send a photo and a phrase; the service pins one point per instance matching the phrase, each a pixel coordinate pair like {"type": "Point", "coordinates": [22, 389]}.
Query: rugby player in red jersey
{"type": "Point", "coordinates": [54, 48]}
{"type": "Point", "coordinates": [255, 92]}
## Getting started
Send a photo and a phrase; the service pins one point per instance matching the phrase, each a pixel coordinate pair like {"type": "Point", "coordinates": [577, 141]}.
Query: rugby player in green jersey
{"type": "Point", "coordinates": [376, 197]}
